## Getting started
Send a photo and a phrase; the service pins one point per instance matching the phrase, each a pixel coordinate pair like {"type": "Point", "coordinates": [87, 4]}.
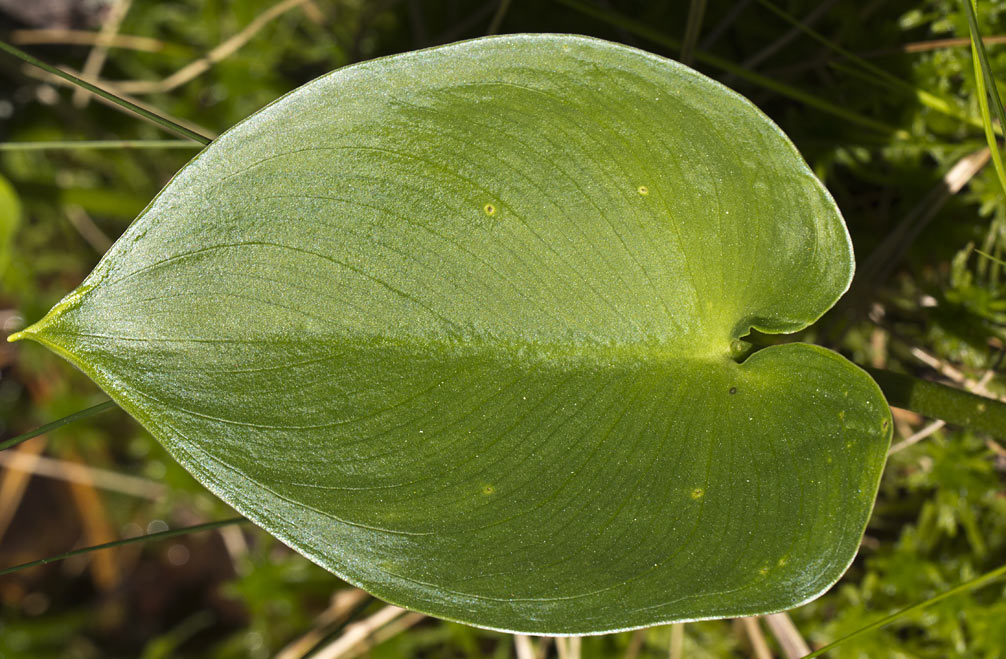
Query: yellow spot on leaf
{"type": "Point", "coordinates": [490, 209]}
{"type": "Point", "coordinates": [643, 190]}
{"type": "Point", "coordinates": [698, 493]}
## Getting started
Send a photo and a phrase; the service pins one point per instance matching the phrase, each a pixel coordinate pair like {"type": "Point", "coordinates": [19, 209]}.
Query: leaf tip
{"type": "Point", "coordinates": [29, 332]}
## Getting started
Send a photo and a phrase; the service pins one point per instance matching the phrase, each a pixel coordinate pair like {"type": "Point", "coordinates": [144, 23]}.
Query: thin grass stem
{"type": "Point", "coordinates": [883, 77]}
{"type": "Point", "coordinates": [781, 88]}
{"type": "Point", "coordinates": [990, 257]}
{"type": "Point", "coordinates": [162, 535]}
{"type": "Point", "coordinates": [692, 28]}
{"type": "Point", "coordinates": [983, 105]}
{"type": "Point", "coordinates": [977, 582]}
{"type": "Point", "coordinates": [983, 77]}
{"type": "Point", "coordinates": [983, 58]}
{"type": "Point", "coordinates": [81, 145]}
{"type": "Point", "coordinates": [58, 423]}
{"type": "Point", "coordinates": [121, 102]}
{"type": "Point", "coordinates": [497, 20]}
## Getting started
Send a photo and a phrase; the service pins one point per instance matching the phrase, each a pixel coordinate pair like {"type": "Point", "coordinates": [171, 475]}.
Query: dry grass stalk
{"type": "Point", "coordinates": [84, 38]}
{"type": "Point", "coordinates": [96, 58]}
{"type": "Point", "coordinates": [358, 634]}
{"type": "Point", "coordinates": [200, 66]}
{"type": "Point", "coordinates": [785, 632]}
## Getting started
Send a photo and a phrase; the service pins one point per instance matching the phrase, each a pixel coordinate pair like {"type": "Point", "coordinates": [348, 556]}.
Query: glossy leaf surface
{"type": "Point", "coordinates": [460, 326]}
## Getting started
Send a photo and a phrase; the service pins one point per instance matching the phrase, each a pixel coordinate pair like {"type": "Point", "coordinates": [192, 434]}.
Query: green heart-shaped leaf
{"type": "Point", "coordinates": [460, 325]}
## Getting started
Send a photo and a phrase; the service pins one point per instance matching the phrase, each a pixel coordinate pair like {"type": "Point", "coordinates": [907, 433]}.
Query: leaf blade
{"type": "Point", "coordinates": [469, 345]}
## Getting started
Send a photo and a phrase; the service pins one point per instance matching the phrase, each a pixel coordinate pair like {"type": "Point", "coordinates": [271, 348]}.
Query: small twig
{"type": "Point", "coordinates": [938, 44]}
{"type": "Point", "coordinates": [782, 628]}
{"type": "Point", "coordinates": [358, 633]}
{"type": "Point", "coordinates": [677, 644]}
{"type": "Point", "coordinates": [105, 568]}
{"type": "Point", "coordinates": [886, 256]}
{"type": "Point", "coordinates": [200, 66]}
{"type": "Point", "coordinates": [759, 647]}
{"type": "Point", "coordinates": [87, 229]}
{"type": "Point", "coordinates": [96, 58]}
{"type": "Point", "coordinates": [84, 38]}
{"type": "Point", "coordinates": [236, 546]}
{"type": "Point", "coordinates": [66, 470]}
{"type": "Point", "coordinates": [523, 646]}
{"type": "Point", "coordinates": [917, 437]}
{"type": "Point", "coordinates": [635, 644]}
{"type": "Point", "coordinates": [342, 604]}
{"type": "Point", "coordinates": [951, 373]}
{"type": "Point", "coordinates": [313, 13]}
{"type": "Point", "coordinates": [395, 628]}
{"type": "Point", "coordinates": [15, 482]}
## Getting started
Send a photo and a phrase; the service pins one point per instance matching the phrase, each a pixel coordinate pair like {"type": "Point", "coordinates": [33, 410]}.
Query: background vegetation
{"type": "Point", "coordinates": [881, 101]}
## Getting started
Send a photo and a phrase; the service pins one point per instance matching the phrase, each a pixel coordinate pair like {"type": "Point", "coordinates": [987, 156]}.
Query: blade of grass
{"type": "Point", "coordinates": [131, 107]}
{"type": "Point", "coordinates": [647, 32]}
{"type": "Point", "coordinates": [497, 21]}
{"type": "Point", "coordinates": [977, 582]}
{"type": "Point", "coordinates": [41, 74]}
{"type": "Point", "coordinates": [983, 105]}
{"type": "Point", "coordinates": [162, 535]}
{"type": "Point", "coordinates": [990, 257]}
{"type": "Point", "coordinates": [98, 144]}
{"type": "Point", "coordinates": [927, 99]}
{"type": "Point", "coordinates": [58, 423]}
{"type": "Point", "coordinates": [692, 28]}
{"type": "Point", "coordinates": [983, 77]}
{"type": "Point", "coordinates": [983, 58]}
{"type": "Point", "coordinates": [813, 16]}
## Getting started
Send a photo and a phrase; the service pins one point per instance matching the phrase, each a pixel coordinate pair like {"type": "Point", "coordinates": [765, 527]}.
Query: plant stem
{"type": "Point", "coordinates": [967, 585]}
{"type": "Point", "coordinates": [982, 75]}
{"type": "Point", "coordinates": [58, 423]}
{"type": "Point", "coordinates": [497, 21]}
{"type": "Point", "coordinates": [98, 144]}
{"type": "Point", "coordinates": [692, 29]}
{"type": "Point", "coordinates": [121, 102]}
{"type": "Point", "coordinates": [117, 543]}
{"type": "Point", "coordinates": [942, 402]}
{"type": "Point", "coordinates": [647, 32]}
